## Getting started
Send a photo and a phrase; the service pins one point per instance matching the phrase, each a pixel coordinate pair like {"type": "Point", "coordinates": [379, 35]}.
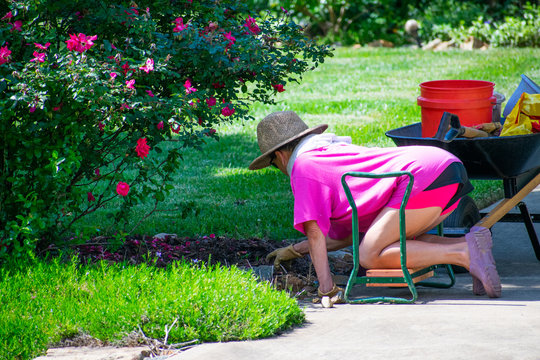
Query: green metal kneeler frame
{"type": "Point", "coordinates": [407, 276]}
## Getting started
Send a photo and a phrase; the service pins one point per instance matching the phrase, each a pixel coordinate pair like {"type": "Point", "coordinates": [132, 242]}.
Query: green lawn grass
{"type": "Point", "coordinates": [46, 302]}
{"type": "Point", "coordinates": [359, 92]}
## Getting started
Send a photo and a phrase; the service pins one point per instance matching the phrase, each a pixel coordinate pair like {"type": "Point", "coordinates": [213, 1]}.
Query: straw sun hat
{"type": "Point", "coordinates": [277, 130]}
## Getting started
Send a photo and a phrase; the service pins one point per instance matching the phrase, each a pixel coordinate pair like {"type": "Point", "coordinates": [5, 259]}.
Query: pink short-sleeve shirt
{"type": "Point", "coordinates": [319, 195]}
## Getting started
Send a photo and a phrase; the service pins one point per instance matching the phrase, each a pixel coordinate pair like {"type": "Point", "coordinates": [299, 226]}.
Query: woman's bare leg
{"type": "Point", "coordinates": [380, 246]}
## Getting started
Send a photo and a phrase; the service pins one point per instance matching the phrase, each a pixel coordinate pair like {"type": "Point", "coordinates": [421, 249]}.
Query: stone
{"type": "Point", "coordinates": [96, 353]}
{"type": "Point", "coordinates": [445, 45]}
{"type": "Point", "coordinates": [432, 44]}
{"type": "Point", "coordinates": [163, 236]}
{"type": "Point", "coordinates": [341, 261]}
{"type": "Point", "coordinates": [474, 43]}
{"type": "Point", "coordinates": [263, 272]}
{"type": "Point", "coordinates": [439, 45]}
{"type": "Point", "coordinates": [381, 43]}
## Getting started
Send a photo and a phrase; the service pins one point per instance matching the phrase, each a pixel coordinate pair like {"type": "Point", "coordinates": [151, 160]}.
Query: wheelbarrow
{"type": "Point", "coordinates": [514, 159]}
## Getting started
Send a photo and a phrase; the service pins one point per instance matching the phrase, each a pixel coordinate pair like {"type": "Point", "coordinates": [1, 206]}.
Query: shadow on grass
{"type": "Point", "coordinates": [214, 192]}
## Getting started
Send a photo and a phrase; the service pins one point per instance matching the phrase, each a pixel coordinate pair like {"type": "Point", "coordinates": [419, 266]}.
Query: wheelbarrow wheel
{"type": "Point", "coordinates": [465, 216]}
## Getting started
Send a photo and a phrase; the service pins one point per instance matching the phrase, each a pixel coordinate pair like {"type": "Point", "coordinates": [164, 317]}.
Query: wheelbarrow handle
{"type": "Point", "coordinates": [508, 204]}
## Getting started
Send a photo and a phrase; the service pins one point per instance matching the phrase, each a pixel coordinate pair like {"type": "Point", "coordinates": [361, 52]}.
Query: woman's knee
{"type": "Point", "coordinates": [368, 257]}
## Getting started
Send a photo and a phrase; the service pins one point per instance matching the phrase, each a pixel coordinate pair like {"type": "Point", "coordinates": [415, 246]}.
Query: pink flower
{"type": "Point", "coordinates": [278, 87]}
{"type": "Point", "coordinates": [122, 188]}
{"type": "Point", "coordinates": [211, 102]}
{"type": "Point", "coordinates": [4, 55]}
{"type": "Point", "coordinates": [226, 111]}
{"type": "Point", "coordinates": [179, 25]}
{"type": "Point", "coordinates": [80, 42]}
{"type": "Point", "coordinates": [42, 47]}
{"type": "Point", "coordinates": [96, 172]}
{"type": "Point", "coordinates": [101, 126]}
{"type": "Point", "coordinates": [189, 89]}
{"type": "Point", "coordinates": [142, 148]}
{"type": "Point", "coordinates": [130, 84]}
{"type": "Point", "coordinates": [8, 16]}
{"type": "Point", "coordinates": [175, 127]}
{"type": "Point", "coordinates": [231, 39]}
{"type": "Point", "coordinates": [114, 75]}
{"type": "Point", "coordinates": [90, 197]}
{"type": "Point", "coordinates": [252, 26]}
{"type": "Point", "coordinates": [150, 93]}
{"type": "Point", "coordinates": [149, 66]}
{"type": "Point", "coordinates": [129, 12]}
{"type": "Point", "coordinates": [32, 109]}
{"type": "Point", "coordinates": [126, 68]}
{"type": "Point", "coordinates": [16, 26]}
{"type": "Point", "coordinates": [160, 125]}
{"type": "Point", "coordinates": [38, 57]}
{"type": "Point", "coordinates": [125, 106]}
{"type": "Point", "coordinates": [212, 236]}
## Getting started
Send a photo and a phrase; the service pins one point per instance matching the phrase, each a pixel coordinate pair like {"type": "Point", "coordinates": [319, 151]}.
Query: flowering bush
{"type": "Point", "coordinates": [90, 90]}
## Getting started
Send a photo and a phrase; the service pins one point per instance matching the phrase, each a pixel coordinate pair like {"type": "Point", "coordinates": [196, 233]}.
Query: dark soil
{"type": "Point", "coordinates": [297, 276]}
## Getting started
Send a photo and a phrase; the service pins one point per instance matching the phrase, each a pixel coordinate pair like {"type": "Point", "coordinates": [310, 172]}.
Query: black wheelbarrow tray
{"type": "Point", "coordinates": [514, 159]}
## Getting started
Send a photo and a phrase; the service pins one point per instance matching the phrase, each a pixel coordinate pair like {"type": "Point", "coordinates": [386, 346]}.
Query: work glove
{"type": "Point", "coordinates": [334, 296]}
{"type": "Point", "coordinates": [283, 254]}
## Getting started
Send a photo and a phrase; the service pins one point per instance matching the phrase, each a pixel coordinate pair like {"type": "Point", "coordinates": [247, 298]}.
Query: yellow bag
{"type": "Point", "coordinates": [525, 116]}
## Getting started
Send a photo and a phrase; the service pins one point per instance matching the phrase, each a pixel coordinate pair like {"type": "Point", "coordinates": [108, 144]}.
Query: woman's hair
{"type": "Point", "coordinates": [291, 145]}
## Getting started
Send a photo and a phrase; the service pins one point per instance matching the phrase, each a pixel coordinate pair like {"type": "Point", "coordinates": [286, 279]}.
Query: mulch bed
{"type": "Point", "coordinates": [297, 277]}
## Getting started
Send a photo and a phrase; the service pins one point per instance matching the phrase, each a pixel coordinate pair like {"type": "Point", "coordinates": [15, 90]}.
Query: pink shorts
{"type": "Point", "coordinates": [433, 198]}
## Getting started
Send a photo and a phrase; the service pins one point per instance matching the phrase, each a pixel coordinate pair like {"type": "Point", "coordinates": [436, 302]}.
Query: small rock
{"type": "Point", "coordinates": [381, 43]}
{"type": "Point", "coordinates": [326, 303]}
{"type": "Point", "coordinates": [432, 44]}
{"type": "Point", "coordinates": [341, 261]}
{"type": "Point", "coordinates": [263, 272]}
{"type": "Point", "coordinates": [439, 45]}
{"type": "Point", "coordinates": [96, 353]}
{"type": "Point", "coordinates": [164, 236]}
{"type": "Point", "coordinates": [473, 43]}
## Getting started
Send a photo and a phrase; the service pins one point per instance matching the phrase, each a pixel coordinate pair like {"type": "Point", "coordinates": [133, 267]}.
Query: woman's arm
{"type": "Point", "coordinates": [331, 245]}
{"type": "Point", "coordinates": [319, 255]}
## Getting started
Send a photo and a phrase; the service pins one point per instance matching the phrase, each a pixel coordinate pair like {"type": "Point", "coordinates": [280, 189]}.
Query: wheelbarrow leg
{"type": "Point", "coordinates": [530, 228]}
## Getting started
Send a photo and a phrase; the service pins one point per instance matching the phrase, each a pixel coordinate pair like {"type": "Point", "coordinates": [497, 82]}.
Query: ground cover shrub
{"type": "Point", "coordinates": [364, 21]}
{"type": "Point", "coordinates": [346, 22]}
{"type": "Point", "coordinates": [46, 302]}
{"type": "Point", "coordinates": [90, 92]}
{"type": "Point", "coordinates": [512, 24]}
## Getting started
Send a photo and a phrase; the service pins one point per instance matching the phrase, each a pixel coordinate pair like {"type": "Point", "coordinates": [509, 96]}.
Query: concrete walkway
{"type": "Point", "coordinates": [443, 324]}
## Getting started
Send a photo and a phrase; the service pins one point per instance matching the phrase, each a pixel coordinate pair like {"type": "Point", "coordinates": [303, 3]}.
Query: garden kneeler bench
{"type": "Point", "coordinates": [403, 277]}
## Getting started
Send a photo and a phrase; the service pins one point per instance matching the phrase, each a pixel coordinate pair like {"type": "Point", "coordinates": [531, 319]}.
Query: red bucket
{"type": "Point", "coordinates": [471, 100]}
